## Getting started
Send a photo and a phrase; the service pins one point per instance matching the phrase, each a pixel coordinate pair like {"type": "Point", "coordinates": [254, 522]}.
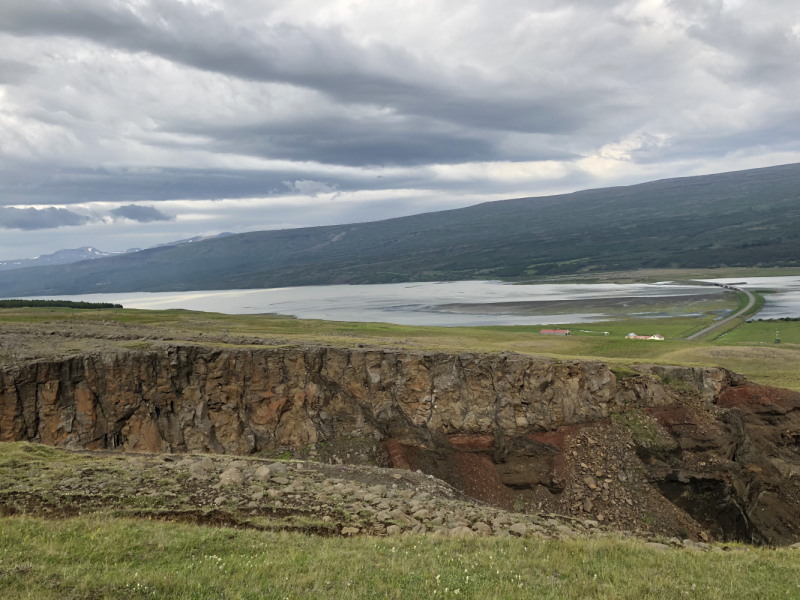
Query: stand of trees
{"type": "Point", "coordinates": [55, 304]}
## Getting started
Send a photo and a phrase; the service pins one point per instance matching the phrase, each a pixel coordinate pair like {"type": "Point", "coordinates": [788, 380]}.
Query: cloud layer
{"type": "Point", "coordinates": [30, 219]}
{"type": "Point", "coordinates": [106, 104]}
{"type": "Point", "coordinates": [140, 214]}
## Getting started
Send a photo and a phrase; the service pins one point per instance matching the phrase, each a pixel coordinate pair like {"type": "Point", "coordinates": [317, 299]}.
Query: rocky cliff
{"type": "Point", "coordinates": [241, 401]}
{"type": "Point", "coordinates": [573, 436]}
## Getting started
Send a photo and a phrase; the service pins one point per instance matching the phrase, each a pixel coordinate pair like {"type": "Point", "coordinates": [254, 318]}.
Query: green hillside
{"type": "Point", "coordinates": [746, 218]}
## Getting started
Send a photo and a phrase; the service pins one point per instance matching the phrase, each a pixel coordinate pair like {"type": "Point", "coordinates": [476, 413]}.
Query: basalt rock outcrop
{"type": "Point", "coordinates": [714, 454]}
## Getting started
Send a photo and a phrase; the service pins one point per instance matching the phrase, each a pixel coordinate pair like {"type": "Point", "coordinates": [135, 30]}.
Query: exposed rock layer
{"type": "Point", "coordinates": [198, 399]}
{"type": "Point", "coordinates": [500, 427]}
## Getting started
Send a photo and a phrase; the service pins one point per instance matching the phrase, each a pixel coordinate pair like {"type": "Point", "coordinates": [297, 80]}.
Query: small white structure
{"type": "Point", "coordinates": [657, 337]}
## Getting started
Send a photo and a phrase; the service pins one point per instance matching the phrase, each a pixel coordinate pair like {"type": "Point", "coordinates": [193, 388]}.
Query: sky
{"type": "Point", "coordinates": [132, 123]}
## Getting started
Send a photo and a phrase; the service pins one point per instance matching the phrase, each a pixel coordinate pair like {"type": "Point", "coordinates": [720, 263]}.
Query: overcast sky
{"type": "Point", "coordinates": [131, 123]}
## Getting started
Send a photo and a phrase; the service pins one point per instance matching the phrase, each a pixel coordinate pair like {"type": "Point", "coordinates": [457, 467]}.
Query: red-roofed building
{"type": "Point", "coordinates": [554, 332]}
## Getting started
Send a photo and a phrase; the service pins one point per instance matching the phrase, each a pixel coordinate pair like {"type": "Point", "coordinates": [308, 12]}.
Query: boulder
{"type": "Point", "coordinates": [277, 468]}
{"type": "Point", "coordinates": [462, 532]}
{"type": "Point", "coordinates": [198, 472]}
{"type": "Point", "coordinates": [482, 528]}
{"type": "Point", "coordinates": [231, 477]}
{"type": "Point", "coordinates": [263, 474]}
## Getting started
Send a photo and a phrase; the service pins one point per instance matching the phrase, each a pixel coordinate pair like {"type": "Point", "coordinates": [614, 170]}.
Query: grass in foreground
{"type": "Point", "coordinates": [89, 557]}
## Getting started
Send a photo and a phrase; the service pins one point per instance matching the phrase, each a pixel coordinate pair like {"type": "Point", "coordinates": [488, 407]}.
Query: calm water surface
{"type": "Point", "coordinates": [785, 302]}
{"type": "Point", "coordinates": [401, 303]}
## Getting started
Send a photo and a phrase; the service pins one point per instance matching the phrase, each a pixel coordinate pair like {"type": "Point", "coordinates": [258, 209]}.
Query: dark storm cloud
{"type": "Point", "coordinates": [409, 142]}
{"type": "Point", "coordinates": [315, 57]}
{"type": "Point", "coordinates": [75, 185]}
{"type": "Point", "coordinates": [29, 219]}
{"type": "Point", "coordinates": [141, 214]}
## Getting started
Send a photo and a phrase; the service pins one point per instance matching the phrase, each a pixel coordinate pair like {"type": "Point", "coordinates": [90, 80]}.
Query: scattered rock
{"type": "Point", "coordinates": [657, 546]}
{"type": "Point", "coordinates": [231, 477]}
{"type": "Point", "coordinates": [392, 530]}
{"type": "Point", "coordinates": [198, 472]}
{"type": "Point", "coordinates": [564, 530]}
{"type": "Point", "coordinates": [519, 529]}
{"type": "Point", "coordinates": [461, 532]}
{"type": "Point", "coordinates": [482, 528]}
{"type": "Point", "coordinates": [263, 474]}
{"type": "Point", "coordinates": [403, 518]}
{"type": "Point", "coordinates": [206, 463]}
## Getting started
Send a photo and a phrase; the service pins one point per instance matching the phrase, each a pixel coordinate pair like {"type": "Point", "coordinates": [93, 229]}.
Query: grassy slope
{"type": "Point", "coordinates": [97, 558]}
{"type": "Point", "coordinates": [742, 219]}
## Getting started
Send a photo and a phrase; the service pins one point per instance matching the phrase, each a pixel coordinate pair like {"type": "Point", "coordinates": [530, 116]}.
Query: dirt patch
{"type": "Point", "coordinates": [481, 480]}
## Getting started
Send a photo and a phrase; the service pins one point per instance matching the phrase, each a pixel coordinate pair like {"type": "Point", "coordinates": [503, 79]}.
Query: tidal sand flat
{"type": "Point", "coordinates": [459, 303]}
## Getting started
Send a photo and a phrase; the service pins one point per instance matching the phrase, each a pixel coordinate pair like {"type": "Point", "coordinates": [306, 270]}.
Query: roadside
{"type": "Point", "coordinates": [719, 327]}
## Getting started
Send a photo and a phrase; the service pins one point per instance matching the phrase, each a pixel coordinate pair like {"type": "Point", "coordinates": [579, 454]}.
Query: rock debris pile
{"type": "Point", "coordinates": [297, 496]}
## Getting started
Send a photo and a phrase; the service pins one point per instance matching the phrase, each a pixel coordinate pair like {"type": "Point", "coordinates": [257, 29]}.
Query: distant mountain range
{"type": "Point", "coordinates": [65, 257]}
{"type": "Point", "coordinates": [745, 218]}
{"type": "Point", "coordinates": [61, 257]}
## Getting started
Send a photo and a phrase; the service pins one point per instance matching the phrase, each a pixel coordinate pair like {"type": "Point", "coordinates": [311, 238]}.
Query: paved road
{"type": "Point", "coordinates": [751, 300]}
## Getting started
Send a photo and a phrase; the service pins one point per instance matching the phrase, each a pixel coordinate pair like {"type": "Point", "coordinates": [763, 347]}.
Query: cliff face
{"type": "Point", "coordinates": [204, 400]}
{"type": "Point", "coordinates": [700, 449]}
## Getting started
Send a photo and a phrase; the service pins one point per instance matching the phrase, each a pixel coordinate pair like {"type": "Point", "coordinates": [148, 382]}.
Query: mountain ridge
{"type": "Point", "coordinates": [743, 218]}
{"type": "Point", "coordinates": [67, 256]}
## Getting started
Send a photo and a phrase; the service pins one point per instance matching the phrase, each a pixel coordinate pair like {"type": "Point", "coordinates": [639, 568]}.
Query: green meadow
{"type": "Point", "coordinates": [747, 348]}
{"type": "Point", "coordinates": [103, 558]}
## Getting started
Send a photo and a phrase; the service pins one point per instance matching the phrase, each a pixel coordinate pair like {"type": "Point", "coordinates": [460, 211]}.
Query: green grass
{"type": "Point", "coordinates": [756, 332]}
{"type": "Point", "coordinates": [748, 349]}
{"type": "Point", "coordinates": [90, 557]}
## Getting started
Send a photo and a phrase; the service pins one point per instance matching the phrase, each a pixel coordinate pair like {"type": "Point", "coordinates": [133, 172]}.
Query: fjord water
{"type": "Point", "coordinates": [427, 303]}
{"type": "Point", "coordinates": [784, 301]}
